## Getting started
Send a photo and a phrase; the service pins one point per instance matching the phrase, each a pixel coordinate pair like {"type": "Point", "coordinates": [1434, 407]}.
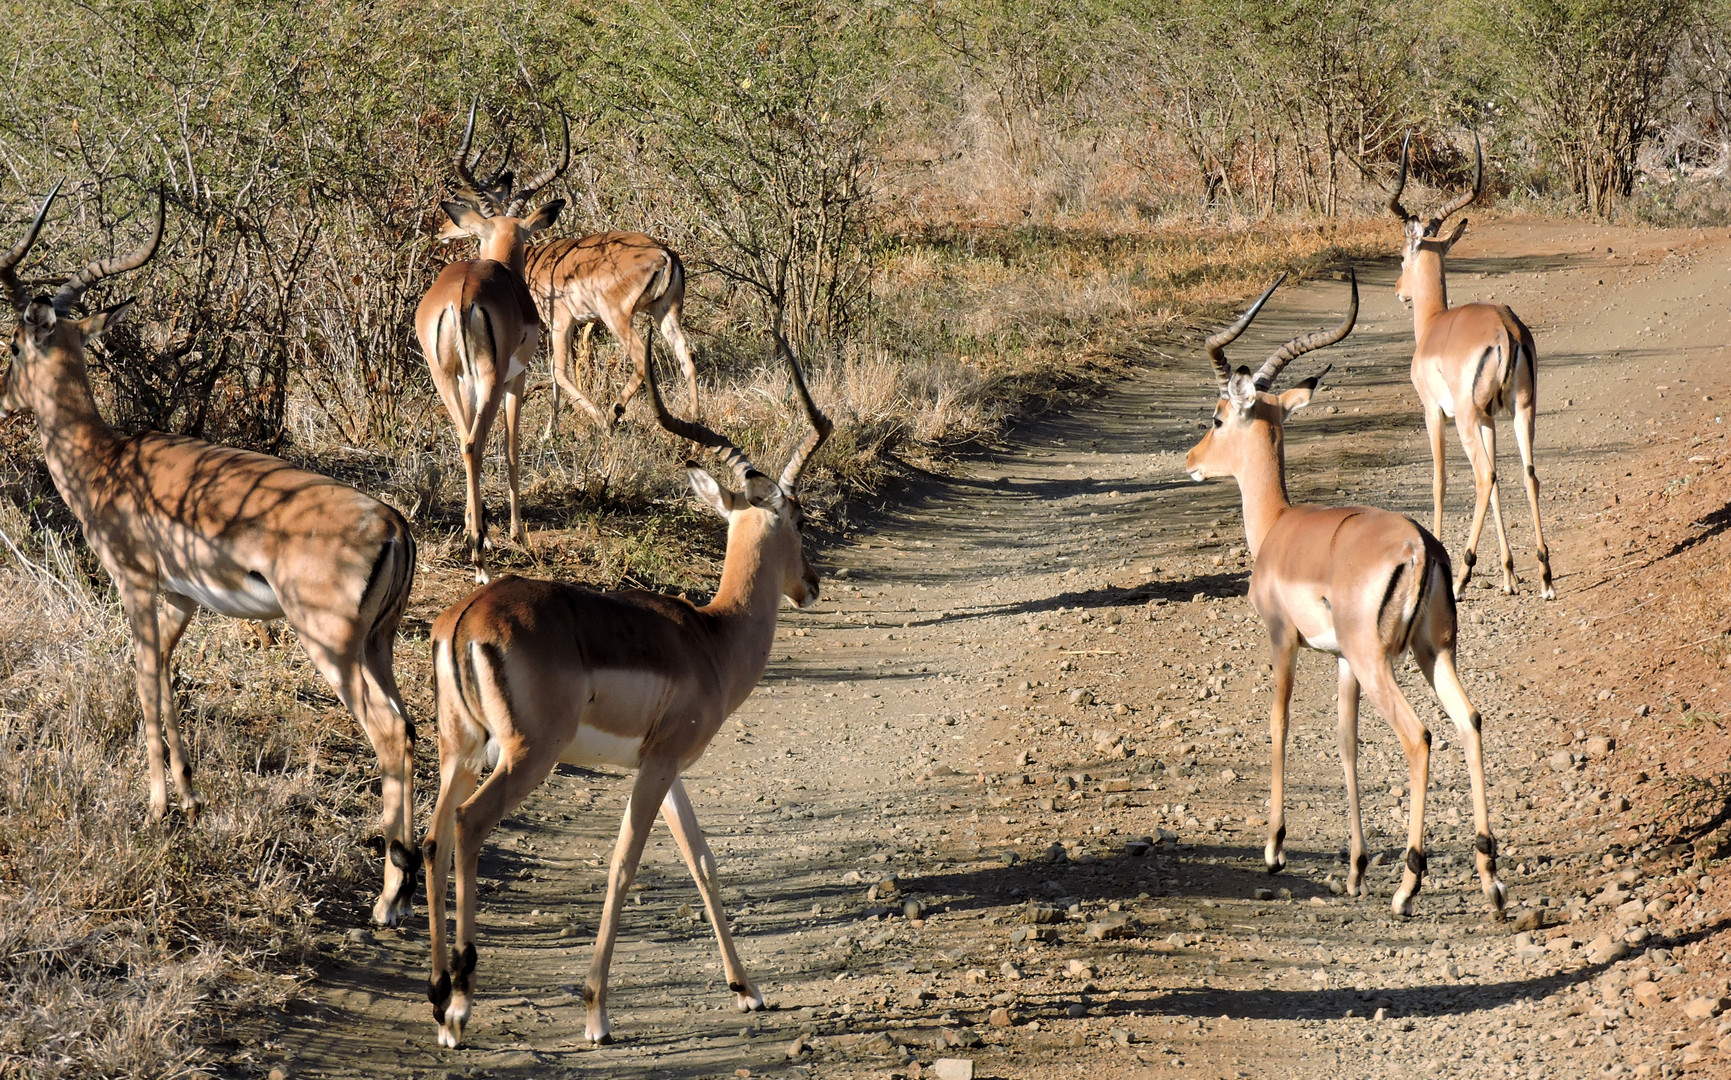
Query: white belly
{"type": "Point", "coordinates": [254, 600]}
{"type": "Point", "coordinates": [1323, 640]}
{"type": "Point", "coordinates": [593, 747]}
{"type": "Point", "coordinates": [1445, 401]}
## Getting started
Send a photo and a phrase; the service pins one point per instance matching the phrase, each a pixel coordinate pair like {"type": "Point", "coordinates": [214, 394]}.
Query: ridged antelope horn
{"type": "Point", "coordinates": [820, 424]}
{"type": "Point", "coordinates": [1215, 346]}
{"type": "Point", "coordinates": [479, 194]}
{"type": "Point", "coordinates": [527, 191]}
{"type": "Point", "coordinates": [1298, 346]}
{"type": "Point", "coordinates": [1462, 201]}
{"type": "Point", "coordinates": [97, 269]}
{"type": "Point", "coordinates": [1394, 205]}
{"type": "Point", "coordinates": [730, 455]}
{"type": "Point", "coordinates": [20, 296]}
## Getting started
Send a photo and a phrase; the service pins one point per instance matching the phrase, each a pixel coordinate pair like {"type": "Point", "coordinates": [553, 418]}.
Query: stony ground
{"type": "Point", "coordinates": [1002, 796]}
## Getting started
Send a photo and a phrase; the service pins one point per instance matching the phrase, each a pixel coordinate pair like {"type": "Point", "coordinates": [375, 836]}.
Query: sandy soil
{"type": "Point", "coordinates": [920, 737]}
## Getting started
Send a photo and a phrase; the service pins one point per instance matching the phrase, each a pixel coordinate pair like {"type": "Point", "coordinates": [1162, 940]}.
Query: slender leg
{"type": "Point", "coordinates": [1385, 694]}
{"type": "Point", "coordinates": [1435, 426]}
{"type": "Point", "coordinates": [1347, 732]}
{"type": "Point", "coordinates": [1484, 482]}
{"type": "Point", "coordinates": [654, 778]}
{"type": "Point", "coordinates": [1524, 425]}
{"type": "Point", "coordinates": [682, 821]}
{"type": "Point", "coordinates": [172, 619]}
{"type": "Point", "coordinates": [473, 444]}
{"type": "Point", "coordinates": [517, 774]}
{"type": "Point", "coordinates": [457, 777]}
{"type": "Point", "coordinates": [637, 353]}
{"type": "Point", "coordinates": [1488, 436]}
{"type": "Point", "coordinates": [1284, 655]}
{"type": "Point", "coordinates": [513, 409]}
{"type": "Point", "coordinates": [1439, 670]}
{"type": "Point", "coordinates": [675, 335]}
{"type": "Point", "coordinates": [562, 371]}
{"type": "Point", "coordinates": [385, 701]}
{"type": "Point", "coordinates": [140, 604]}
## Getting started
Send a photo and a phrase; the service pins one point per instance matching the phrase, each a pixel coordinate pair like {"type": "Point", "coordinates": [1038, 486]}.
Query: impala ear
{"type": "Point", "coordinates": [465, 221]}
{"type": "Point", "coordinates": [1241, 391]}
{"type": "Point", "coordinates": [107, 319]}
{"type": "Point", "coordinates": [764, 493]}
{"type": "Point", "coordinates": [718, 498]}
{"type": "Point", "coordinates": [1299, 396]}
{"type": "Point", "coordinates": [39, 318]}
{"type": "Point", "coordinates": [1459, 231]}
{"type": "Point", "coordinates": [545, 216]}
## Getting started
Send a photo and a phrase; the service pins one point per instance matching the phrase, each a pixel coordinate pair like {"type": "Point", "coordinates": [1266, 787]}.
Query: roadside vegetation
{"type": "Point", "coordinates": [960, 213]}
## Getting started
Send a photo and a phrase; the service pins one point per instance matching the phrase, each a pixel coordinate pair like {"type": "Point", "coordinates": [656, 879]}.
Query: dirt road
{"type": "Point", "coordinates": [1034, 686]}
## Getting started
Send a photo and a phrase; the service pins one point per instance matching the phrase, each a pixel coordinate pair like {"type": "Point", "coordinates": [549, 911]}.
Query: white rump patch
{"type": "Point", "coordinates": [255, 599]}
{"type": "Point", "coordinates": [514, 368]}
{"type": "Point", "coordinates": [1444, 400]}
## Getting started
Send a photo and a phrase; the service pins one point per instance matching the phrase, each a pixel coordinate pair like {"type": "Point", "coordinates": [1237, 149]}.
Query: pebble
{"type": "Point", "coordinates": [1121, 1036]}
{"type": "Point", "coordinates": [1264, 894]}
{"type": "Point", "coordinates": [1647, 993]}
{"type": "Point", "coordinates": [1529, 919]}
{"type": "Point", "coordinates": [280, 1072]}
{"type": "Point", "coordinates": [1562, 761]}
{"type": "Point", "coordinates": [1110, 926]}
{"type": "Point", "coordinates": [360, 935]}
{"type": "Point", "coordinates": [965, 1038]}
{"type": "Point", "coordinates": [953, 1069]}
{"type": "Point", "coordinates": [1604, 950]}
{"type": "Point", "coordinates": [1704, 1008]}
{"type": "Point", "coordinates": [1000, 1018]}
{"type": "Point", "coordinates": [796, 1048]}
{"type": "Point", "coordinates": [1600, 745]}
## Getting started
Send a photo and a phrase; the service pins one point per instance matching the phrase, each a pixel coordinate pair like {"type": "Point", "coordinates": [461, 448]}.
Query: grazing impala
{"type": "Point", "coordinates": [478, 326]}
{"type": "Point", "coordinates": [1363, 584]}
{"type": "Point", "coordinates": [608, 277]}
{"type": "Point", "coordinates": [1472, 363]}
{"type": "Point", "coordinates": [531, 673]}
{"type": "Point", "coordinates": [242, 534]}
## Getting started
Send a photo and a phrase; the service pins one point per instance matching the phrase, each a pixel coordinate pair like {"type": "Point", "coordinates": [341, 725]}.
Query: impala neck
{"type": "Point", "coordinates": [1262, 485]}
{"type": "Point", "coordinates": [504, 246]}
{"type": "Point", "coordinates": [747, 602]}
{"type": "Point", "coordinates": [75, 438]}
{"type": "Point", "coordinates": [1430, 291]}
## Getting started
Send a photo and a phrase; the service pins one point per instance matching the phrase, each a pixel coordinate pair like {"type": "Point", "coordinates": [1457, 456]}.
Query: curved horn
{"type": "Point", "coordinates": [820, 424]}
{"type": "Point", "coordinates": [97, 269]}
{"type": "Point", "coordinates": [1460, 202]}
{"type": "Point", "coordinates": [527, 191]}
{"type": "Point", "coordinates": [1394, 205]}
{"type": "Point", "coordinates": [20, 296]}
{"type": "Point", "coordinates": [1215, 346]}
{"type": "Point", "coordinates": [1298, 346]}
{"type": "Point", "coordinates": [461, 161]}
{"type": "Point", "coordinates": [479, 194]}
{"type": "Point", "coordinates": [730, 455]}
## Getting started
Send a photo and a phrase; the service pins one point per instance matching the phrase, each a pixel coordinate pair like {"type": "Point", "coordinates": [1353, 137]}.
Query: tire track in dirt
{"type": "Point", "coordinates": [920, 723]}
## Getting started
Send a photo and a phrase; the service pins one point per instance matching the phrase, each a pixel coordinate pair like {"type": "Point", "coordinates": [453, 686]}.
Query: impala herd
{"type": "Point", "coordinates": [531, 673]}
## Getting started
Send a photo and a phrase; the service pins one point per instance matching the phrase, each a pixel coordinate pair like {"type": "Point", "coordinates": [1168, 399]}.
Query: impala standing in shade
{"type": "Point", "coordinates": [478, 326]}
{"type": "Point", "coordinates": [532, 673]}
{"type": "Point", "coordinates": [1472, 363]}
{"type": "Point", "coordinates": [1362, 584]}
{"type": "Point", "coordinates": [196, 525]}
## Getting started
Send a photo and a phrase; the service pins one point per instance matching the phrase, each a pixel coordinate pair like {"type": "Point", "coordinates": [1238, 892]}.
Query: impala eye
{"type": "Point", "coordinates": [1219, 422]}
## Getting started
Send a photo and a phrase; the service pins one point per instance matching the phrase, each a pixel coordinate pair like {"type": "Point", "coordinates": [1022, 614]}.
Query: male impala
{"type": "Point", "coordinates": [1472, 363]}
{"type": "Point", "coordinates": [1363, 584]}
{"type": "Point", "coordinates": [478, 326]}
{"type": "Point", "coordinates": [608, 278]}
{"type": "Point", "coordinates": [245, 535]}
{"type": "Point", "coordinates": [531, 673]}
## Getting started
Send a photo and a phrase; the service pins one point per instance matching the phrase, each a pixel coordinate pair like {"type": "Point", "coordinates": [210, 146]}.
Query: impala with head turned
{"type": "Point", "coordinates": [1472, 364]}
{"type": "Point", "coordinates": [192, 524]}
{"type": "Point", "coordinates": [531, 673]}
{"type": "Point", "coordinates": [478, 326]}
{"type": "Point", "coordinates": [1362, 584]}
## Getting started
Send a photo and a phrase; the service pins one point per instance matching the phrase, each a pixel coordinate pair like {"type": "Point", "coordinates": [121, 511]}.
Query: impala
{"type": "Point", "coordinates": [1365, 585]}
{"type": "Point", "coordinates": [1472, 363]}
{"type": "Point", "coordinates": [608, 278]}
{"type": "Point", "coordinates": [478, 326]}
{"type": "Point", "coordinates": [242, 534]}
{"type": "Point", "coordinates": [531, 673]}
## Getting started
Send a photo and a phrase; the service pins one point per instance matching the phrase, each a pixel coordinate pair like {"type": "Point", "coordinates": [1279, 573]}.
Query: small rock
{"type": "Point", "coordinates": [1265, 894]}
{"type": "Point", "coordinates": [1604, 950]}
{"type": "Point", "coordinates": [1529, 919]}
{"type": "Point", "coordinates": [1647, 993]}
{"type": "Point", "coordinates": [1005, 999]}
{"type": "Point", "coordinates": [1079, 969]}
{"type": "Point", "coordinates": [280, 1072]}
{"type": "Point", "coordinates": [1110, 926]}
{"type": "Point", "coordinates": [953, 1069]}
{"type": "Point", "coordinates": [1078, 698]}
{"type": "Point", "coordinates": [360, 935]}
{"type": "Point", "coordinates": [964, 1038]}
{"type": "Point", "coordinates": [1075, 1010]}
{"type": "Point", "coordinates": [1704, 1008]}
{"type": "Point", "coordinates": [1449, 970]}
{"type": "Point", "coordinates": [1121, 1036]}
{"type": "Point", "coordinates": [1600, 745]}
{"type": "Point", "coordinates": [1040, 913]}
{"type": "Point", "coordinates": [1562, 761]}
{"type": "Point", "coordinates": [1009, 970]}
{"type": "Point", "coordinates": [1380, 1015]}
{"type": "Point", "coordinates": [796, 1048]}
{"type": "Point", "coordinates": [913, 909]}
{"type": "Point", "coordinates": [1000, 1018]}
